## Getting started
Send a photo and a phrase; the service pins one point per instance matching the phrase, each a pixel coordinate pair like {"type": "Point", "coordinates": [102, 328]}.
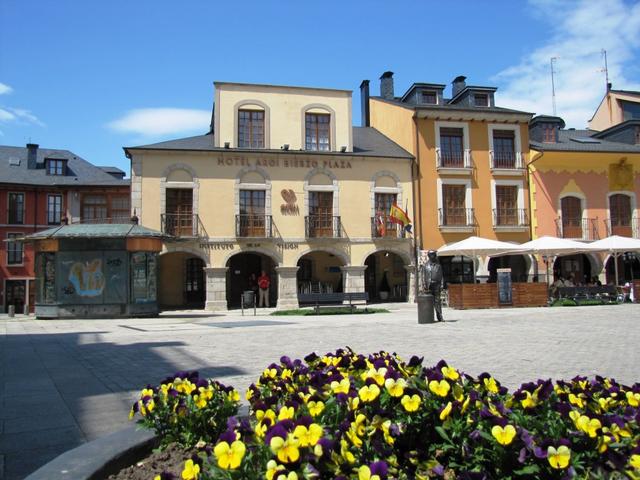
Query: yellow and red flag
{"type": "Point", "coordinates": [399, 216]}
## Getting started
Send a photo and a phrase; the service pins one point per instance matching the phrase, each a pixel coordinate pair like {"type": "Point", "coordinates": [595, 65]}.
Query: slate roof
{"type": "Point", "coordinates": [13, 169]}
{"type": "Point", "coordinates": [367, 141]}
{"type": "Point", "coordinates": [567, 143]}
{"type": "Point", "coordinates": [450, 106]}
{"type": "Point", "coordinates": [93, 230]}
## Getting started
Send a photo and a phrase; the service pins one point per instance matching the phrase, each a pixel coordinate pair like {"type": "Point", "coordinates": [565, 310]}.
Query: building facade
{"type": "Point", "coordinates": [617, 106]}
{"type": "Point", "coordinates": [470, 176]}
{"type": "Point", "coordinates": [584, 186]}
{"type": "Point", "coordinates": [282, 184]}
{"type": "Point", "coordinates": [41, 188]}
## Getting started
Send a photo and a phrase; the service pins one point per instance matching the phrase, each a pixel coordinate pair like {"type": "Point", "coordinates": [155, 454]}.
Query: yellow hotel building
{"type": "Point", "coordinates": [470, 176]}
{"type": "Point", "coordinates": [282, 183]}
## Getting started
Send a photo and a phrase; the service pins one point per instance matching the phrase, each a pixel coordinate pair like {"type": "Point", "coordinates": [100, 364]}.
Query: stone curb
{"type": "Point", "coordinates": [99, 458]}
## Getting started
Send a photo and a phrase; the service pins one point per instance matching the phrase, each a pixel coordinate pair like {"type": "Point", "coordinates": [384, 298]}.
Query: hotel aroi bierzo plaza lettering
{"type": "Point", "coordinates": [287, 163]}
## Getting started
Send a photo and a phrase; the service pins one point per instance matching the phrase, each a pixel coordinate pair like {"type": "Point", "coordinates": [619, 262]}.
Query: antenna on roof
{"type": "Point", "coordinates": [605, 69]}
{"type": "Point", "coordinates": [553, 86]}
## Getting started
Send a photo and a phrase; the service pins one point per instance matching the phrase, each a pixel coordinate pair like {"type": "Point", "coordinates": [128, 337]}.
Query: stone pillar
{"type": "Point", "coordinates": [216, 288]}
{"type": "Point", "coordinates": [411, 283]}
{"type": "Point", "coordinates": [287, 288]}
{"type": "Point", "coordinates": [353, 278]}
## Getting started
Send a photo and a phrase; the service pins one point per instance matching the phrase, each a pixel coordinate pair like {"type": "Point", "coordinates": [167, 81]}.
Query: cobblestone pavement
{"type": "Point", "coordinates": [66, 382]}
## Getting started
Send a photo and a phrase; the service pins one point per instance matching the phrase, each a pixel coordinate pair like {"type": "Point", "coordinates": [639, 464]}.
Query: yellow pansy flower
{"type": "Point", "coordinates": [286, 450]}
{"type": "Point", "coordinates": [342, 386]}
{"type": "Point", "coordinates": [446, 411]}
{"type": "Point", "coordinates": [315, 408]}
{"type": "Point", "coordinates": [270, 373]}
{"type": "Point", "coordinates": [286, 413]}
{"type": "Point", "coordinates": [229, 456]}
{"type": "Point", "coordinates": [364, 473]}
{"type": "Point", "coordinates": [576, 400]}
{"type": "Point", "coordinates": [191, 470]}
{"type": "Point", "coordinates": [345, 453]}
{"type": "Point", "coordinates": [634, 461]}
{"type": "Point", "coordinates": [603, 443]}
{"type": "Point", "coordinates": [200, 401]}
{"type": "Point", "coordinates": [146, 392]}
{"type": "Point", "coordinates": [491, 385]}
{"type": "Point", "coordinates": [289, 476]}
{"type": "Point", "coordinates": [529, 401]}
{"type": "Point", "coordinates": [308, 437]}
{"type": "Point", "coordinates": [505, 435]}
{"type": "Point", "coordinates": [353, 403]}
{"type": "Point", "coordinates": [395, 387]}
{"type": "Point", "coordinates": [440, 388]}
{"type": "Point", "coordinates": [559, 458]}
{"type": "Point", "coordinates": [450, 373]}
{"type": "Point", "coordinates": [411, 403]}
{"type": "Point", "coordinates": [633, 399]}
{"type": "Point", "coordinates": [369, 393]}
{"type": "Point", "coordinates": [588, 425]}
{"type": "Point", "coordinates": [272, 469]}
{"type": "Point", "coordinates": [233, 395]}
{"type": "Point", "coordinates": [465, 404]}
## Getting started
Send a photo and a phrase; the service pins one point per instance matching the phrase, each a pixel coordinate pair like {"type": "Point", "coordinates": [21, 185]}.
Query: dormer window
{"type": "Point", "coordinates": [481, 100]}
{"type": "Point", "coordinates": [56, 166]}
{"type": "Point", "coordinates": [429, 97]}
{"type": "Point", "coordinates": [548, 133]}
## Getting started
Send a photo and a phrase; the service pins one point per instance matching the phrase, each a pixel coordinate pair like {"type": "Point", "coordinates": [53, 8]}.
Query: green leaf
{"type": "Point", "coordinates": [443, 434]}
{"type": "Point", "coordinates": [528, 470]}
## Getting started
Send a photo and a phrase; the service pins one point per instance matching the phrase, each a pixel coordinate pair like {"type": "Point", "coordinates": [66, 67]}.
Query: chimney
{"type": "Point", "coordinates": [364, 104]}
{"type": "Point", "coordinates": [32, 155]}
{"type": "Point", "coordinates": [459, 84]}
{"type": "Point", "coordinates": [609, 86]}
{"type": "Point", "coordinates": [386, 86]}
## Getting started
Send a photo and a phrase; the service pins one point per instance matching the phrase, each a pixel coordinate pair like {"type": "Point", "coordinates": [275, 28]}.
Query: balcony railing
{"type": "Point", "coordinates": [257, 226]}
{"type": "Point", "coordinates": [322, 226]}
{"type": "Point", "coordinates": [629, 228]}
{"type": "Point", "coordinates": [510, 217]}
{"type": "Point", "coordinates": [578, 229]}
{"type": "Point", "coordinates": [505, 160]}
{"type": "Point", "coordinates": [456, 217]}
{"type": "Point", "coordinates": [456, 159]}
{"type": "Point", "coordinates": [182, 225]}
{"type": "Point", "coordinates": [383, 227]}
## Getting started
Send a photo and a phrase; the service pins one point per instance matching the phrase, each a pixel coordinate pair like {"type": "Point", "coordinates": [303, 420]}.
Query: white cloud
{"type": "Point", "coordinates": [5, 89]}
{"type": "Point", "coordinates": [18, 115]}
{"type": "Point", "coordinates": [579, 30]}
{"type": "Point", "coordinates": [162, 121]}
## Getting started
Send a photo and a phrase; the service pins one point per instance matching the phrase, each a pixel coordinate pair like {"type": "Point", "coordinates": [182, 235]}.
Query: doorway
{"type": "Point", "coordinates": [15, 294]}
{"type": "Point", "coordinates": [179, 208]}
{"type": "Point", "coordinates": [241, 268]}
{"type": "Point", "coordinates": [385, 278]}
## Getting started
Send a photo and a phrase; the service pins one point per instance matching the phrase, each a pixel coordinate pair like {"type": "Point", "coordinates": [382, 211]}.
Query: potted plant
{"type": "Point", "coordinates": [384, 288]}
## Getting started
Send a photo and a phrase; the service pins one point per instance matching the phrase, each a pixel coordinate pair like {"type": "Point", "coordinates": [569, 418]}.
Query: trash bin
{"type": "Point", "coordinates": [425, 309]}
{"type": "Point", "coordinates": [11, 310]}
{"type": "Point", "coordinates": [248, 298]}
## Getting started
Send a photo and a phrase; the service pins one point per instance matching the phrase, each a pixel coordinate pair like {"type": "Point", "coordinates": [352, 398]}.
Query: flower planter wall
{"type": "Point", "coordinates": [485, 295]}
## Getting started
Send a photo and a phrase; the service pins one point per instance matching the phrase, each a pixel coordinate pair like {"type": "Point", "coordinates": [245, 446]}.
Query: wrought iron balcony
{"type": "Point", "coordinates": [383, 227]}
{"type": "Point", "coordinates": [460, 159]}
{"type": "Point", "coordinates": [322, 226]}
{"type": "Point", "coordinates": [254, 226]}
{"type": "Point", "coordinates": [577, 229]}
{"type": "Point", "coordinates": [185, 225]}
{"type": "Point", "coordinates": [505, 160]}
{"type": "Point", "coordinates": [625, 228]}
{"type": "Point", "coordinates": [456, 217]}
{"type": "Point", "coordinates": [510, 218]}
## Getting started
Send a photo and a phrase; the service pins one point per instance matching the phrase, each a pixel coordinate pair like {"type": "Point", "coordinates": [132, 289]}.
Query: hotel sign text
{"type": "Point", "coordinates": [286, 163]}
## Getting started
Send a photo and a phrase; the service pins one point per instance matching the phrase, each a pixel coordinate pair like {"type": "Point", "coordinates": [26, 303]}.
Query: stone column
{"type": "Point", "coordinates": [216, 288]}
{"type": "Point", "coordinates": [411, 283]}
{"type": "Point", "coordinates": [353, 278]}
{"type": "Point", "coordinates": [287, 288]}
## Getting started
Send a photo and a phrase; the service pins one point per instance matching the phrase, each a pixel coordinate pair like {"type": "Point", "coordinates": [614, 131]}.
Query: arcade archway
{"type": "Point", "coordinates": [181, 281]}
{"type": "Point", "coordinates": [628, 268]}
{"type": "Point", "coordinates": [385, 279]}
{"type": "Point", "coordinates": [519, 265]}
{"type": "Point", "coordinates": [243, 271]}
{"type": "Point", "coordinates": [320, 272]}
{"type": "Point", "coordinates": [579, 268]}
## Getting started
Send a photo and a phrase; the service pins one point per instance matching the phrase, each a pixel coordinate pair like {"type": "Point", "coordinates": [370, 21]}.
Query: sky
{"type": "Point", "coordinates": [92, 77]}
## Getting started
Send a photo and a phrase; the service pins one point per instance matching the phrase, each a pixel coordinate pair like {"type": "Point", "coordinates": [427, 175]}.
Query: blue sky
{"type": "Point", "coordinates": [95, 76]}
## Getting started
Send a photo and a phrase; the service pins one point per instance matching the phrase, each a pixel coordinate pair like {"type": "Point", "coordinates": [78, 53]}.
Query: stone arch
{"type": "Point", "coordinates": [332, 123]}
{"type": "Point", "coordinates": [406, 257]}
{"type": "Point", "coordinates": [397, 190]}
{"type": "Point", "coordinates": [267, 120]}
{"type": "Point", "coordinates": [266, 186]}
{"type": "Point", "coordinates": [193, 185]}
{"type": "Point", "coordinates": [191, 251]}
{"type": "Point", "coordinates": [342, 255]}
{"type": "Point", "coordinates": [322, 188]}
{"type": "Point", "coordinates": [274, 256]}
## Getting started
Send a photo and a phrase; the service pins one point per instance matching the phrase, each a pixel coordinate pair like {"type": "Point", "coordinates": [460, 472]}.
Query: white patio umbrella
{"type": "Point", "coordinates": [477, 247]}
{"type": "Point", "coordinates": [616, 246]}
{"type": "Point", "coordinates": [555, 247]}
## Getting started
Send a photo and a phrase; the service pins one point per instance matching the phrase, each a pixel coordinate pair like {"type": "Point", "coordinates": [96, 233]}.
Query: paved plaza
{"type": "Point", "coordinates": [65, 382]}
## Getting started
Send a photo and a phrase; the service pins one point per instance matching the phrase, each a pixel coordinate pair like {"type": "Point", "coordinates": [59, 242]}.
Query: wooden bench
{"type": "Point", "coordinates": [605, 292]}
{"type": "Point", "coordinates": [319, 300]}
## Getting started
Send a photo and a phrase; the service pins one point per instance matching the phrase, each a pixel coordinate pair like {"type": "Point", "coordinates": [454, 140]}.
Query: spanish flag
{"type": "Point", "coordinates": [399, 216]}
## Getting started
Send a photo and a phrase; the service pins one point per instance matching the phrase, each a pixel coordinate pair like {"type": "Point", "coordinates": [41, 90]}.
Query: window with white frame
{"type": "Point", "coordinates": [452, 144]}
{"type": "Point", "coordinates": [505, 147]}
{"type": "Point", "coordinates": [54, 209]}
{"type": "Point", "coordinates": [507, 199]}
{"type": "Point", "coordinates": [454, 203]}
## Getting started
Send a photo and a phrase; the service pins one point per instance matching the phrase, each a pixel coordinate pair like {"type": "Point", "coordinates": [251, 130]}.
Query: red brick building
{"type": "Point", "coordinates": [41, 188]}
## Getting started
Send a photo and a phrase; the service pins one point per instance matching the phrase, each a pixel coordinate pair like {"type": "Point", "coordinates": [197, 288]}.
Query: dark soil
{"type": "Point", "coordinates": [171, 459]}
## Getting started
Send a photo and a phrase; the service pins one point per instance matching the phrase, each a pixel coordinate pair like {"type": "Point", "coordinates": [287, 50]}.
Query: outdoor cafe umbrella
{"type": "Point", "coordinates": [477, 247]}
{"type": "Point", "coordinates": [616, 246]}
{"type": "Point", "coordinates": [547, 246]}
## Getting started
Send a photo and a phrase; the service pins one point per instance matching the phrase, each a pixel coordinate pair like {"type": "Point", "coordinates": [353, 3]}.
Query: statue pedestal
{"type": "Point", "coordinates": [425, 308]}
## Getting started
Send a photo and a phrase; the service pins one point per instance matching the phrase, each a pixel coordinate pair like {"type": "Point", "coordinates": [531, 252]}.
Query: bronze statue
{"type": "Point", "coordinates": [431, 281]}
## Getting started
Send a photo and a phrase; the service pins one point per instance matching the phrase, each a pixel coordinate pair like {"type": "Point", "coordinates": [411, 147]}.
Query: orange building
{"type": "Point", "coordinates": [470, 178]}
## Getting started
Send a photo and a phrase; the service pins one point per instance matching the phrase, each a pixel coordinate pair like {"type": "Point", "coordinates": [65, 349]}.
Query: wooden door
{"type": "Point", "coordinates": [179, 208]}
{"type": "Point", "coordinates": [194, 284]}
{"type": "Point", "coordinates": [620, 212]}
{"type": "Point", "coordinates": [455, 212]}
{"type": "Point", "coordinates": [252, 213]}
{"type": "Point", "coordinates": [507, 205]}
{"type": "Point", "coordinates": [571, 208]}
{"type": "Point", "coordinates": [321, 214]}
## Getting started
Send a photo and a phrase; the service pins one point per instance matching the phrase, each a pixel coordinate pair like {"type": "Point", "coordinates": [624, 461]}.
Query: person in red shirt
{"type": "Point", "coordinates": [263, 284]}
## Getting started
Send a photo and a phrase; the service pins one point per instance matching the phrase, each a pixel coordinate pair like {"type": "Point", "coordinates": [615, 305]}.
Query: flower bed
{"type": "Point", "coordinates": [350, 416]}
